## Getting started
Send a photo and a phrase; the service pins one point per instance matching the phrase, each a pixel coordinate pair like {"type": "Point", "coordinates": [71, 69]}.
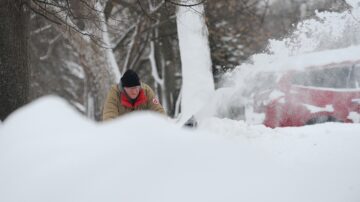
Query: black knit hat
{"type": "Point", "coordinates": [130, 79]}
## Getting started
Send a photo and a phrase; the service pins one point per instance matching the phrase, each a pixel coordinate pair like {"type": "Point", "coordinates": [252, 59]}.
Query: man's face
{"type": "Point", "coordinates": [132, 92]}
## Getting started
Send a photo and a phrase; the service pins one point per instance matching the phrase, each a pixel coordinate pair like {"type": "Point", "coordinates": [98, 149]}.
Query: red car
{"type": "Point", "coordinates": [315, 95]}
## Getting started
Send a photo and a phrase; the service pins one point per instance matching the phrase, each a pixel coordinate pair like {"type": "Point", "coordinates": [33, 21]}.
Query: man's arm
{"type": "Point", "coordinates": [111, 110]}
{"type": "Point", "coordinates": [153, 102]}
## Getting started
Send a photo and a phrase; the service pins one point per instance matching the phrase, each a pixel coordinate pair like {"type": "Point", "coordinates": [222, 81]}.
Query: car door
{"type": "Point", "coordinates": [356, 84]}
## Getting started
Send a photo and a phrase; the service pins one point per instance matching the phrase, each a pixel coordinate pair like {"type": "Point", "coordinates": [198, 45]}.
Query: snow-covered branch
{"type": "Point", "coordinates": [109, 52]}
{"type": "Point", "coordinates": [154, 9]}
{"type": "Point", "coordinates": [198, 82]}
{"type": "Point", "coordinates": [154, 71]}
{"type": "Point", "coordinates": [131, 47]}
{"type": "Point", "coordinates": [37, 31]}
{"type": "Point", "coordinates": [50, 47]}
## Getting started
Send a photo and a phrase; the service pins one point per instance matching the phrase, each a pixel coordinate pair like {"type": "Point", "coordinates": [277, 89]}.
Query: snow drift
{"type": "Point", "coordinates": [48, 152]}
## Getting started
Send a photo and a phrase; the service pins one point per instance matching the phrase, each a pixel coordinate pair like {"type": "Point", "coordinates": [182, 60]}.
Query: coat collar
{"type": "Point", "coordinates": [141, 99]}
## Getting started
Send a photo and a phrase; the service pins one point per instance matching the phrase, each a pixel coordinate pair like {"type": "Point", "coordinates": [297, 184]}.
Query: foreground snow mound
{"type": "Point", "coordinates": [50, 153]}
{"type": "Point", "coordinates": [240, 129]}
{"type": "Point", "coordinates": [45, 115]}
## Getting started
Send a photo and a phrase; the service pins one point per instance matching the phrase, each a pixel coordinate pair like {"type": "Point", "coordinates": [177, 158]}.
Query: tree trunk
{"type": "Point", "coordinates": [166, 61]}
{"type": "Point", "coordinates": [14, 59]}
{"type": "Point", "coordinates": [197, 78]}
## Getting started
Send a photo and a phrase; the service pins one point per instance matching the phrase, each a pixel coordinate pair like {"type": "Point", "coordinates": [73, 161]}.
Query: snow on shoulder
{"type": "Point", "coordinates": [49, 152]}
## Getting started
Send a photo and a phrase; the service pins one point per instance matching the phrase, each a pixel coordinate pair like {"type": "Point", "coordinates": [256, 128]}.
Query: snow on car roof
{"type": "Point", "coordinates": [315, 59]}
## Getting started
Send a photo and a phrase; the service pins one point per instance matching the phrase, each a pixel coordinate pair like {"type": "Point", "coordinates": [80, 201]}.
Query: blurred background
{"type": "Point", "coordinates": [75, 44]}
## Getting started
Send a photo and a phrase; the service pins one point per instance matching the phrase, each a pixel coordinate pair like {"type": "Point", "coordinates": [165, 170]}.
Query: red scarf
{"type": "Point", "coordinates": [141, 99]}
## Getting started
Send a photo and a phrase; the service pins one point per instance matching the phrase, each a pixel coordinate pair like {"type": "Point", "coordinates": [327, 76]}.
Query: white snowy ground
{"type": "Point", "coordinates": [48, 152]}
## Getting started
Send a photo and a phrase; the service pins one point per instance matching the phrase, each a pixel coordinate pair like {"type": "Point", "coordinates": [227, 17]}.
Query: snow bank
{"type": "Point", "coordinates": [328, 38]}
{"type": "Point", "coordinates": [327, 30]}
{"type": "Point", "coordinates": [48, 152]}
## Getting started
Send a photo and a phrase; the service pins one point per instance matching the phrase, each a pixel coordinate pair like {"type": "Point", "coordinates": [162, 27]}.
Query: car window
{"type": "Point", "coordinates": [335, 77]}
{"type": "Point", "coordinates": [356, 75]}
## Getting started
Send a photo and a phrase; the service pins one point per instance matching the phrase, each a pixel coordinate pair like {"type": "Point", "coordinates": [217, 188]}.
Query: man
{"type": "Point", "coordinates": [130, 95]}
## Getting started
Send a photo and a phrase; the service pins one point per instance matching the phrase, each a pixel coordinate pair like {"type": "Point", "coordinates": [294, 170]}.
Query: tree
{"type": "Point", "coordinates": [198, 82]}
{"type": "Point", "coordinates": [14, 60]}
{"type": "Point", "coordinates": [71, 17]}
{"type": "Point", "coordinates": [131, 34]}
{"type": "Point", "coordinates": [235, 31]}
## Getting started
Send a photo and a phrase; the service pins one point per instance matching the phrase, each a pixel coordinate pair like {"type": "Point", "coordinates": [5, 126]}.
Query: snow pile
{"type": "Point", "coordinates": [48, 152]}
{"type": "Point", "coordinates": [328, 30]}
{"type": "Point", "coordinates": [329, 38]}
{"type": "Point", "coordinates": [354, 116]}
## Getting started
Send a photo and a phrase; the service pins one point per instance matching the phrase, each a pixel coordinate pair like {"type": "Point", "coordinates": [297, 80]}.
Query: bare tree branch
{"type": "Point", "coordinates": [64, 21]}
{"type": "Point", "coordinates": [265, 11]}
{"type": "Point", "coordinates": [37, 31]}
{"type": "Point", "coordinates": [144, 11]}
{"type": "Point", "coordinates": [140, 53]}
{"type": "Point", "coordinates": [152, 27]}
{"type": "Point", "coordinates": [43, 15]}
{"type": "Point", "coordinates": [159, 24]}
{"type": "Point", "coordinates": [186, 5]}
{"type": "Point", "coordinates": [129, 53]}
{"type": "Point", "coordinates": [50, 48]}
{"type": "Point", "coordinates": [119, 42]}
{"type": "Point", "coordinates": [108, 8]}
{"type": "Point", "coordinates": [127, 5]}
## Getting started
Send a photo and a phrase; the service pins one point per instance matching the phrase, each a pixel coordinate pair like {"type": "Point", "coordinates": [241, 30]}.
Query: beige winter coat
{"type": "Point", "coordinates": [117, 104]}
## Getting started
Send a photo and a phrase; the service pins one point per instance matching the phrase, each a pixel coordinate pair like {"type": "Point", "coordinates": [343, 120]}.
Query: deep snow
{"type": "Point", "coordinates": [49, 152]}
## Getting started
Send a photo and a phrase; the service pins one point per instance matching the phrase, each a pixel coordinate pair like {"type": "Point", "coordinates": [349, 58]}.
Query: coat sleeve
{"type": "Point", "coordinates": [153, 102]}
{"type": "Point", "coordinates": [111, 105]}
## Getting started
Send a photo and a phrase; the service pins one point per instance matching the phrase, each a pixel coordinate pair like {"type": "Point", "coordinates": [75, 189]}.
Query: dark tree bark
{"type": "Point", "coordinates": [168, 59]}
{"type": "Point", "coordinates": [14, 59]}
